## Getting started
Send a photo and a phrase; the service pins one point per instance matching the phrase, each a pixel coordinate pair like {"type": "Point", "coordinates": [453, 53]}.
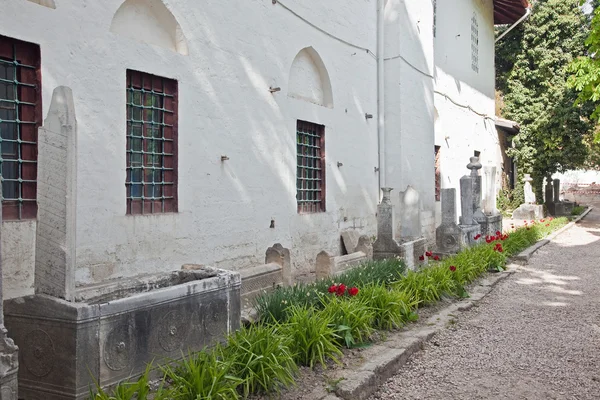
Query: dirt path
{"type": "Point", "coordinates": [536, 336]}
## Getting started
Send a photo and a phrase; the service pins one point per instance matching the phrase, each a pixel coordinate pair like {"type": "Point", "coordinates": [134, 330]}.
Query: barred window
{"type": "Point", "coordinates": [151, 144]}
{"type": "Point", "coordinates": [438, 174]}
{"type": "Point", "coordinates": [310, 175]}
{"type": "Point", "coordinates": [20, 118]}
{"type": "Point", "coordinates": [475, 43]}
{"type": "Point", "coordinates": [434, 17]}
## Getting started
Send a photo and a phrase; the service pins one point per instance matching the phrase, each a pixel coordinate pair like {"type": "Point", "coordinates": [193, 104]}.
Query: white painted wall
{"type": "Point", "coordinates": [409, 105]}
{"type": "Point", "coordinates": [237, 50]}
{"type": "Point", "coordinates": [458, 130]}
{"type": "Point", "coordinates": [225, 56]}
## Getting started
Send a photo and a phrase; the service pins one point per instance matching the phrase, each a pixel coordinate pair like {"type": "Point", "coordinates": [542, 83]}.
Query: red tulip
{"type": "Point", "coordinates": [421, 258]}
{"type": "Point", "coordinates": [341, 289]}
{"type": "Point", "coordinates": [452, 268]}
{"type": "Point", "coordinates": [436, 258]}
{"type": "Point", "coordinates": [332, 289]}
{"type": "Point", "coordinates": [353, 291]}
{"type": "Point", "coordinates": [428, 253]}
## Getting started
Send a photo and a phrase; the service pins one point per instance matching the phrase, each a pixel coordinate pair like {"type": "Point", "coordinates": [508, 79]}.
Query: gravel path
{"type": "Point", "coordinates": [536, 336]}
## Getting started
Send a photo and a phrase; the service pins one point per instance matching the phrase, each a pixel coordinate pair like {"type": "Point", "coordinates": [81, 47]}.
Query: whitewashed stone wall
{"type": "Point", "coordinates": [460, 131]}
{"type": "Point", "coordinates": [236, 51]}
{"type": "Point", "coordinates": [225, 58]}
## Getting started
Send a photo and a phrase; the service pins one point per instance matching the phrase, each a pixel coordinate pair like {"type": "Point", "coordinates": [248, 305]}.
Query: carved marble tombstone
{"type": "Point", "coordinates": [450, 238]}
{"type": "Point", "coordinates": [468, 201]}
{"type": "Point", "coordinates": [528, 189]}
{"type": "Point", "coordinates": [410, 213]}
{"type": "Point", "coordinates": [386, 246]}
{"type": "Point", "coordinates": [529, 210]}
{"type": "Point", "coordinates": [9, 356]}
{"type": "Point", "coordinates": [489, 221]}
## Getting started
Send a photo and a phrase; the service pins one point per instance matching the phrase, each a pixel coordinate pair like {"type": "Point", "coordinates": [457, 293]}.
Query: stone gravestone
{"type": "Point", "coordinates": [559, 206]}
{"type": "Point", "coordinates": [529, 210]}
{"type": "Point", "coordinates": [410, 213]}
{"type": "Point", "coordinates": [468, 206]}
{"type": "Point", "coordinates": [386, 246]}
{"type": "Point", "coordinates": [449, 237]}
{"type": "Point", "coordinates": [549, 197]}
{"type": "Point", "coordinates": [529, 194]}
{"type": "Point", "coordinates": [9, 353]}
{"type": "Point", "coordinates": [57, 185]}
{"type": "Point", "coordinates": [489, 207]}
{"type": "Point", "coordinates": [280, 255]}
{"type": "Point", "coordinates": [350, 240]}
{"type": "Point", "coordinates": [490, 221]}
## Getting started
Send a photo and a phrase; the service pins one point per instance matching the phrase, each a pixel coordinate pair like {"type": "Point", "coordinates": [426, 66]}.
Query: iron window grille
{"type": "Point", "coordinates": [310, 173]}
{"type": "Point", "coordinates": [20, 118]}
{"type": "Point", "coordinates": [438, 174]}
{"type": "Point", "coordinates": [434, 18]}
{"type": "Point", "coordinates": [151, 144]}
{"type": "Point", "coordinates": [475, 43]}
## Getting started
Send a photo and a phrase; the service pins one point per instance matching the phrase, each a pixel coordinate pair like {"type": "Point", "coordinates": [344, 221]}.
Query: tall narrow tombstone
{"type": "Point", "coordinates": [466, 200]}
{"type": "Point", "coordinates": [490, 191]}
{"type": "Point", "coordinates": [9, 358]}
{"type": "Point", "coordinates": [528, 210]}
{"type": "Point", "coordinates": [410, 213]}
{"type": "Point", "coordinates": [549, 197]}
{"type": "Point", "coordinates": [474, 166]}
{"type": "Point", "coordinates": [448, 236]}
{"type": "Point", "coordinates": [386, 246]}
{"type": "Point", "coordinates": [528, 189]}
{"type": "Point", "coordinates": [57, 185]}
{"type": "Point", "coordinates": [556, 190]}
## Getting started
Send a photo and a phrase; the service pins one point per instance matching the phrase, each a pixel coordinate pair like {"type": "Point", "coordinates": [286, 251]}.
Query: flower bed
{"type": "Point", "coordinates": [308, 325]}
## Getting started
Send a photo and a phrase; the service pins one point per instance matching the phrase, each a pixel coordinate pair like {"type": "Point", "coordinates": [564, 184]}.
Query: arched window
{"type": "Point", "coordinates": [475, 43]}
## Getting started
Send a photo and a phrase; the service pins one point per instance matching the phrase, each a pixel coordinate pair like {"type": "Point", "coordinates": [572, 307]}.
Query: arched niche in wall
{"type": "Point", "coordinates": [45, 3]}
{"type": "Point", "coordinates": [149, 21]}
{"type": "Point", "coordinates": [309, 79]}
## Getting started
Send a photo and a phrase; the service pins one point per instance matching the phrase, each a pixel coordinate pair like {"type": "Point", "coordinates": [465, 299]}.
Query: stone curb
{"type": "Point", "coordinates": [386, 358]}
{"type": "Point", "coordinates": [524, 256]}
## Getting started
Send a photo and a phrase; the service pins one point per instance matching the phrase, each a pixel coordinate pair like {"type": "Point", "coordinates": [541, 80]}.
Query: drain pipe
{"type": "Point", "coordinates": [380, 95]}
{"type": "Point", "coordinates": [513, 26]}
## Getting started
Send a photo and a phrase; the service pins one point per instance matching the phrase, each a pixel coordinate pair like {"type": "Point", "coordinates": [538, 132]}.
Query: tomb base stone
{"type": "Point", "coordinates": [528, 212]}
{"type": "Point", "coordinates": [490, 224]}
{"type": "Point", "coordinates": [470, 231]}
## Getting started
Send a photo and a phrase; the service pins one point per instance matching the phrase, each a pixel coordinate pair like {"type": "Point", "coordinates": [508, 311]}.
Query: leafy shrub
{"type": "Point", "coordinates": [352, 319]}
{"type": "Point", "coordinates": [577, 210]}
{"type": "Point", "coordinates": [138, 390]}
{"type": "Point", "coordinates": [312, 336]}
{"type": "Point", "coordinates": [259, 355]}
{"type": "Point", "coordinates": [510, 199]}
{"type": "Point", "coordinates": [391, 308]}
{"type": "Point", "coordinates": [202, 376]}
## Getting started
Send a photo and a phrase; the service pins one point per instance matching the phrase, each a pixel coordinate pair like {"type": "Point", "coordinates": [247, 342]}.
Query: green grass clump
{"type": "Point", "coordinates": [312, 336]}
{"type": "Point", "coordinates": [203, 375]}
{"type": "Point", "coordinates": [260, 356]}
{"type": "Point", "coordinates": [577, 210]}
{"type": "Point", "coordinates": [392, 308]}
{"type": "Point", "coordinates": [352, 318]}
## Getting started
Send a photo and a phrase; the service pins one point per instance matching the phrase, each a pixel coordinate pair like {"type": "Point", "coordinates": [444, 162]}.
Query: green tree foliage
{"type": "Point", "coordinates": [532, 71]}
{"type": "Point", "coordinates": [585, 70]}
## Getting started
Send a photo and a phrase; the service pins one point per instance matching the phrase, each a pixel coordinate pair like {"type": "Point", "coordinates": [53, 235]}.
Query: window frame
{"type": "Point", "coordinates": [27, 57]}
{"type": "Point", "coordinates": [148, 203]}
{"type": "Point", "coordinates": [305, 206]}
{"type": "Point", "coordinates": [438, 173]}
{"type": "Point", "coordinates": [475, 43]}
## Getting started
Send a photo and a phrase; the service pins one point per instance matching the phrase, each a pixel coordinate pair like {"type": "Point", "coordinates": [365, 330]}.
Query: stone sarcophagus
{"type": "Point", "coordinates": [113, 330]}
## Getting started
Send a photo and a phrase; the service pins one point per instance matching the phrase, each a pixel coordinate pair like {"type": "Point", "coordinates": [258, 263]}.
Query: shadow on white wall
{"type": "Point", "coordinates": [45, 3]}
